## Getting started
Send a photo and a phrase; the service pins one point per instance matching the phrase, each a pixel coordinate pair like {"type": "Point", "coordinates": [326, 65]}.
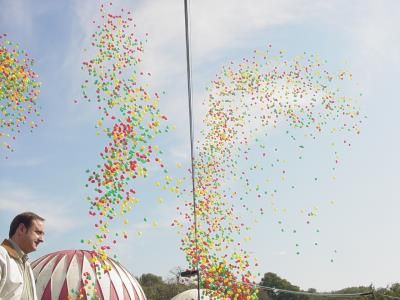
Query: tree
{"type": "Point", "coordinates": [274, 281]}
{"type": "Point", "coordinates": [176, 273]}
{"type": "Point", "coordinates": [156, 289]}
{"type": "Point", "coordinates": [152, 285]}
{"type": "Point", "coordinates": [150, 279]}
{"type": "Point", "coordinates": [392, 291]}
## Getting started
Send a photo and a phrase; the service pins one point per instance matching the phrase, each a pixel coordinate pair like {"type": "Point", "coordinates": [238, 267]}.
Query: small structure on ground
{"type": "Point", "coordinates": [191, 295]}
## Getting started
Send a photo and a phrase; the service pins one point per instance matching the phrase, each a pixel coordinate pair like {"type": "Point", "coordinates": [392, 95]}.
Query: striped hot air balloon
{"type": "Point", "coordinates": [69, 274]}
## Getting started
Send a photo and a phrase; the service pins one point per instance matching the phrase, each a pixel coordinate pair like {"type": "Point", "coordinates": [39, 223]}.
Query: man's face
{"type": "Point", "coordinates": [32, 236]}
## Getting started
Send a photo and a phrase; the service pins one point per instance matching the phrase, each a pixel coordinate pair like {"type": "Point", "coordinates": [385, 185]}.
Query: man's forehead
{"type": "Point", "coordinates": [37, 224]}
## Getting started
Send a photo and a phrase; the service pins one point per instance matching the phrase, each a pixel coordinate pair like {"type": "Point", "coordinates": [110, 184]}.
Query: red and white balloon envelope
{"type": "Point", "coordinates": [70, 274]}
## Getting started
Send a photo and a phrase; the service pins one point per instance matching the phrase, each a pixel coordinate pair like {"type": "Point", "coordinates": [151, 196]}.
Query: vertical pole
{"type": "Point", "coordinates": [189, 87]}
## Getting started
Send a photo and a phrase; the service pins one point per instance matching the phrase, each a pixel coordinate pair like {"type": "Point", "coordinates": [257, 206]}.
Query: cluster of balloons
{"type": "Point", "coordinates": [246, 102]}
{"type": "Point", "coordinates": [130, 119]}
{"type": "Point", "coordinates": [19, 90]}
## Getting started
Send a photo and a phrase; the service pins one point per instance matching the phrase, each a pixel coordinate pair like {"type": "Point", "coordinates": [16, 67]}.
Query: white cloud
{"type": "Point", "coordinates": [19, 13]}
{"type": "Point", "coordinates": [280, 253]}
{"type": "Point", "coordinates": [22, 14]}
{"type": "Point", "coordinates": [30, 162]}
{"type": "Point", "coordinates": [376, 31]}
{"type": "Point", "coordinates": [215, 26]}
{"type": "Point", "coordinates": [220, 24]}
{"type": "Point", "coordinates": [15, 199]}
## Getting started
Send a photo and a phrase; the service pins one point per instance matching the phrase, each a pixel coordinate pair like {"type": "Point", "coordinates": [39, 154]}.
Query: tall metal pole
{"type": "Point", "coordinates": [189, 87]}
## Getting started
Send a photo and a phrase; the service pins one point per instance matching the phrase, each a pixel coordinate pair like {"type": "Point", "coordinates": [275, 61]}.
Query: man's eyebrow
{"type": "Point", "coordinates": [40, 231]}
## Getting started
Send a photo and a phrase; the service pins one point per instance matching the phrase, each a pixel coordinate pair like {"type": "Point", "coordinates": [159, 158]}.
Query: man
{"type": "Point", "coordinates": [16, 276]}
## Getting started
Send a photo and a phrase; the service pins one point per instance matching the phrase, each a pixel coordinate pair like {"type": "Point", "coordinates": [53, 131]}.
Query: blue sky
{"type": "Point", "coordinates": [46, 173]}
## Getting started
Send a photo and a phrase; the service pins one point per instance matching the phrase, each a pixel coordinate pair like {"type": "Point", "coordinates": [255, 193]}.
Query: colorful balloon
{"type": "Point", "coordinates": [246, 102]}
{"type": "Point", "coordinates": [130, 119]}
{"type": "Point", "coordinates": [19, 90]}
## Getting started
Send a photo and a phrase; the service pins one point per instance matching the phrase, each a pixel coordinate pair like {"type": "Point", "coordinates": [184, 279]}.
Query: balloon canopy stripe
{"type": "Point", "coordinates": [71, 274]}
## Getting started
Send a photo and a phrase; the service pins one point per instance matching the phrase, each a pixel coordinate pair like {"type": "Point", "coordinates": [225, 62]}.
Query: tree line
{"type": "Point", "coordinates": [274, 281]}
{"type": "Point", "coordinates": [156, 288]}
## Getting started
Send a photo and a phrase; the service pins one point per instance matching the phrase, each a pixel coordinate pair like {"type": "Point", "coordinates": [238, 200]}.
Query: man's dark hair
{"type": "Point", "coordinates": [25, 218]}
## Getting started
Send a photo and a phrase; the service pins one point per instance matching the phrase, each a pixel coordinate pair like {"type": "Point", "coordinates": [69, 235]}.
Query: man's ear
{"type": "Point", "coordinates": [21, 228]}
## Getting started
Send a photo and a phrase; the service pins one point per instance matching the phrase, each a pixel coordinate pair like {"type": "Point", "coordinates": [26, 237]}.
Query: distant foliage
{"type": "Point", "coordinates": [272, 280]}
{"type": "Point", "coordinates": [156, 289]}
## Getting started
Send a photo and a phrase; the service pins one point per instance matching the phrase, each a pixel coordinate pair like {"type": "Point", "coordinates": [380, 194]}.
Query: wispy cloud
{"type": "Point", "coordinates": [30, 162]}
{"type": "Point", "coordinates": [280, 253]}
{"type": "Point", "coordinates": [376, 32]}
{"type": "Point", "coordinates": [22, 15]}
{"type": "Point", "coordinates": [15, 199]}
{"type": "Point", "coordinates": [221, 24]}
{"type": "Point", "coordinates": [18, 12]}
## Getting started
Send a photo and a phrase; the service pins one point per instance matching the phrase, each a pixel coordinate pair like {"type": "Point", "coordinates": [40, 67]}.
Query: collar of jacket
{"type": "Point", "coordinates": [10, 249]}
